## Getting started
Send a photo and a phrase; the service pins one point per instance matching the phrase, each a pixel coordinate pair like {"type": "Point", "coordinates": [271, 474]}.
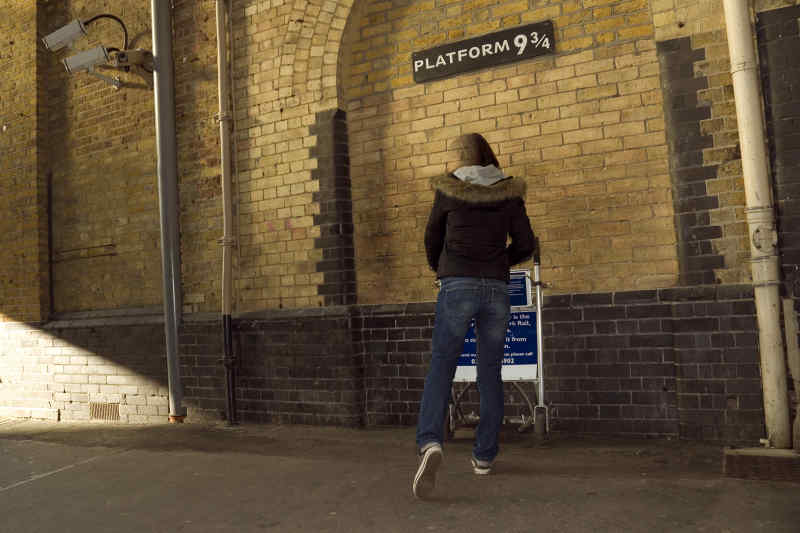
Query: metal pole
{"type": "Point", "coordinates": [760, 220]}
{"type": "Point", "coordinates": [539, 340]}
{"type": "Point", "coordinates": [541, 417]}
{"type": "Point", "coordinates": [227, 240]}
{"type": "Point", "coordinates": [164, 88]}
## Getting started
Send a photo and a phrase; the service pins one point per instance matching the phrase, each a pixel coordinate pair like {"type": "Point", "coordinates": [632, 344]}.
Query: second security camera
{"type": "Point", "coordinates": [87, 60]}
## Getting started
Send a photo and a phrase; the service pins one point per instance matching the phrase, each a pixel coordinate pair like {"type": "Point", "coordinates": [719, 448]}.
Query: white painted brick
{"type": "Point", "coordinates": [157, 400]}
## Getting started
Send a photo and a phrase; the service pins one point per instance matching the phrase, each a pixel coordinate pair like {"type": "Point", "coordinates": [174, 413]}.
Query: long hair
{"type": "Point", "coordinates": [480, 153]}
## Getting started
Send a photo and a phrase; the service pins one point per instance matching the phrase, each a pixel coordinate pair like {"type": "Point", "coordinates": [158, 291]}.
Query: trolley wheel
{"type": "Point", "coordinates": [540, 421]}
{"type": "Point", "coordinates": [449, 430]}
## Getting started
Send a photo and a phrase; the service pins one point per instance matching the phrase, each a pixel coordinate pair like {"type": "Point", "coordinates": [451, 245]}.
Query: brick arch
{"type": "Point", "coordinates": [290, 174]}
{"type": "Point", "coordinates": [319, 49]}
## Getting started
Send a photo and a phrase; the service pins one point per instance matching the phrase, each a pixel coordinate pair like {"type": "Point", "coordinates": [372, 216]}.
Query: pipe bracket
{"type": "Point", "coordinates": [766, 284]}
{"type": "Point", "coordinates": [765, 237]}
{"type": "Point", "coordinates": [743, 66]}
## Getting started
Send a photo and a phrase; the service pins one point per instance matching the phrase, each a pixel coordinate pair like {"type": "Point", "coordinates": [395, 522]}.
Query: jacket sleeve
{"type": "Point", "coordinates": [523, 242]}
{"type": "Point", "coordinates": [435, 232]}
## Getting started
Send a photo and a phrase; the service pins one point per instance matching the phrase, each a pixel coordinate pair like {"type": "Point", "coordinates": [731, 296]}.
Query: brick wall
{"type": "Point", "coordinates": [337, 268]}
{"type": "Point", "coordinates": [285, 74]}
{"type": "Point", "coordinates": [705, 165]}
{"type": "Point", "coordinates": [584, 128]}
{"type": "Point", "coordinates": [778, 35]}
{"type": "Point", "coordinates": [115, 358]}
{"type": "Point", "coordinates": [650, 363]}
{"type": "Point", "coordinates": [101, 158]}
{"type": "Point", "coordinates": [24, 270]}
{"type": "Point", "coordinates": [302, 367]}
{"type": "Point", "coordinates": [670, 361]}
{"type": "Point", "coordinates": [200, 186]}
{"type": "Point", "coordinates": [55, 373]}
{"type": "Point", "coordinates": [396, 356]}
{"type": "Point", "coordinates": [591, 111]}
{"type": "Point", "coordinates": [686, 116]}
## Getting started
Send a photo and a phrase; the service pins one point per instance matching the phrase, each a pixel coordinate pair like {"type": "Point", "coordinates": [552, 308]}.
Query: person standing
{"type": "Point", "coordinates": [475, 210]}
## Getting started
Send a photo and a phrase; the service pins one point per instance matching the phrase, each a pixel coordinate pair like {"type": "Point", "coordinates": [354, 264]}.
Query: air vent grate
{"type": "Point", "coordinates": [103, 411]}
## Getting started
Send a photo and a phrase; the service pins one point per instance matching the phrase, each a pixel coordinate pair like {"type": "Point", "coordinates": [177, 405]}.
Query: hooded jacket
{"type": "Point", "coordinates": [469, 226]}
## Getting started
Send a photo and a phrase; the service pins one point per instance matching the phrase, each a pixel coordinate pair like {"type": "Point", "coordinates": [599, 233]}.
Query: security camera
{"type": "Point", "coordinates": [87, 60]}
{"type": "Point", "coordinates": [65, 35]}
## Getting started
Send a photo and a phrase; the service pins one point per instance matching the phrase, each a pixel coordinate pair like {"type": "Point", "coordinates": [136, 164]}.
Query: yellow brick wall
{"type": "Point", "coordinates": [704, 22]}
{"type": "Point", "coordinates": [584, 128]}
{"type": "Point", "coordinates": [285, 73]}
{"type": "Point", "coordinates": [23, 225]}
{"type": "Point", "coordinates": [685, 18]}
{"type": "Point", "coordinates": [106, 238]}
{"type": "Point", "coordinates": [734, 245]}
{"type": "Point", "coordinates": [200, 190]}
{"type": "Point", "coordinates": [101, 153]}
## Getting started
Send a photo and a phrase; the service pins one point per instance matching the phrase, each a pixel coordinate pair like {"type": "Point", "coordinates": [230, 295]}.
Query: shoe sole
{"type": "Point", "coordinates": [425, 479]}
{"type": "Point", "coordinates": [480, 470]}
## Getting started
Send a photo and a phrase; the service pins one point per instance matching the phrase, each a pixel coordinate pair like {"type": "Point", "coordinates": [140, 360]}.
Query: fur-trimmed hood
{"type": "Point", "coordinates": [505, 189]}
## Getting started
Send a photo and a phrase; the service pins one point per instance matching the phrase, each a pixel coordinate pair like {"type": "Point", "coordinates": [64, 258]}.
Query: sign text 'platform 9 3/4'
{"type": "Point", "coordinates": [499, 48]}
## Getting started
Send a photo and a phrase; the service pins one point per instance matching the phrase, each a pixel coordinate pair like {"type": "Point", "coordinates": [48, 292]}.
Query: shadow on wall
{"type": "Point", "coordinates": [295, 366]}
{"type": "Point", "coordinates": [109, 368]}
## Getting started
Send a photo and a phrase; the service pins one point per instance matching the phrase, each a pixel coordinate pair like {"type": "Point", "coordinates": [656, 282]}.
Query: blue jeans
{"type": "Point", "coordinates": [460, 300]}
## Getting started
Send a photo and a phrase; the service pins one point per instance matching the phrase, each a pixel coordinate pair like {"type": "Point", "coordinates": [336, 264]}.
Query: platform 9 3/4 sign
{"type": "Point", "coordinates": [499, 48]}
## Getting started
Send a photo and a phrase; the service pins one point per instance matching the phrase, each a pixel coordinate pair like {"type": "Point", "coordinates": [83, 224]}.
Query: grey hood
{"type": "Point", "coordinates": [480, 175]}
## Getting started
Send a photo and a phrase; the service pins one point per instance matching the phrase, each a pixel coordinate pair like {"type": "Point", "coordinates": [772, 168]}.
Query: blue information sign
{"type": "Point", "coordinates": [518, 288]}
{"type": "Point", "coordinates": [520, 347]}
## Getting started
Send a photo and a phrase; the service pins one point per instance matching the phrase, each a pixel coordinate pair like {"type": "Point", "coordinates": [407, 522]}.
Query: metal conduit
{"type": "Point", "coordinates": [227, 241]}
{"type": "Point", "coordinates": [166, 142]}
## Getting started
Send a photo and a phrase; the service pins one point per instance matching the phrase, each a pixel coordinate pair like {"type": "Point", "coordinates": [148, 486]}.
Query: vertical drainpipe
{"type": "Point", "coordinates": [760, 221]}
{"type": "Point", "coordinates": [164, 88]}
{"type": "Point", "coordinates": [227, 240]}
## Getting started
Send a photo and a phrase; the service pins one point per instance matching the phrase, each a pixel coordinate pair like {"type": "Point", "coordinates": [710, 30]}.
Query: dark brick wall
{"type": "Point", "coordinates": [671, 362]}
{"type": "Point", "coordinates": [779, 41]}
{"type": "Point", "coordinates": [202, 372]}
{"type": "Point", "coordinates": [335, 218]}
{"type": "Point", "coordinates": [684, 113]}
{"type": "Point", "coordinates": [397, 345]}
{"type": "Point", "coordinates": [300, 366]}
{"type": "Point", "coordinates": [662, 363]}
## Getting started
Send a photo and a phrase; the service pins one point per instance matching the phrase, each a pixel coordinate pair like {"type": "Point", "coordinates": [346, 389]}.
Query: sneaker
{"type": "Point", "coordinates": [481, 468]}
{"type": "Point", "coordinates": [425, 479]}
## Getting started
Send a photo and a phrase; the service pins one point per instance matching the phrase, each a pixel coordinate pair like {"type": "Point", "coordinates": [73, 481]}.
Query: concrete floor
{"type": "Point", "coordinates": [57, 477]}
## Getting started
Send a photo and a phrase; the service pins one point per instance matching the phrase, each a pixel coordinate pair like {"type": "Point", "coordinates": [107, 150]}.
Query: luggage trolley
{"type": "Point", "coordinates": [522, 359]}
